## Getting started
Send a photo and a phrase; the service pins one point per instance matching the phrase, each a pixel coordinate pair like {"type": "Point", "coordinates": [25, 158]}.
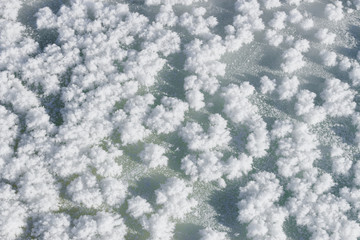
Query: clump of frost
{"type": "Point", "coordinates": [217, 136]}
{"type": "Point", "coordinates": [85, 191]}
{"type": "Point", "coordinates": [257, 207]}
{"type": "Point", "coordinates": [12, 213]}
{"type": "Point", "coordinates": [340, 163]}
{"type": "Point", "coordinates": [9, 130]}
{"type": "Point", "coordinates": [273, 38]}
{"type": "Point", "coordinates": [38, 190]}
{"type": "Point", "coordinates": [338, 98]}
{"type": "Point", "coordinates": [113, 190]}
{"type": "Point", "coordinates": [307, 24]}
{"type": "Point", "coordinates": [356, 170]}
{"type": "Point", "coordinates": [210, 234]}
{"type": "Point", "coordinates": [153, 155]}
{"type": "Point", "coordinates": [173, 199]}
{"type": "Point", "coordinates": [278, 21]}
{"type": "Point", "coordinates": [53, 226]}
{"type": "Point", "coordinates": [159, 226]}
{"type": "Point", "coordinates": [302, 45]}
{"type": "Point", "coordinates": [103, 226]}
{"type": "Point", "coordinates": [325, 37]}
{"type": "Point", "coordinates": [352, 196]}
{"type": "Point", "coordinates": [328, 58]}
{"type": "Point", "coordinates": [354, 75]}
{"type": "Point", "coordinates": [244, 25]}
{"type": "Point", "coordinates": [356, 122]}
{"type": "Point", "coordinates": [333, 11]}
{"type": "Point", "coordinates": [237, 167]}
{"type": "Point", "coordinates": [166, 16]}
{"type": "Point", "coordinates": [171, 2]}
{"type": "Point", "coordinates": [292, 60]}
{"type": "Point", "coordinates": [267, 85]}
{"type": "Point", "coordinates": [344, 63]}
{"type": "Point", "coordinates": [288, 88]}
{"type": "Point", "coordinates": [295, 16]}
{"type": "Point", "coordinates": [138, 206]}
{"type": "Point", "coordinates": [202, 59]}
{"type": "Point", "coordinates": [166, 117]}
{"type": "Point", "coordinates": [297, 147]}
{"type": "Point", "coordinates": [321, 212]}
{"type": "Point", "coordinates": [206, 167]}
{"type": "Point", "coordinates": [196, 24]}
{"type": "Point", "coordinates": [240, 110]}
{"type": "Point", "coordinates": [306, 108]}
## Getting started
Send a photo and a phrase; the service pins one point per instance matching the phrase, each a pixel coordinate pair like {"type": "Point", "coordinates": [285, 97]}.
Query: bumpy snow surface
{"type": "Point", "coordinates": [179, 119]}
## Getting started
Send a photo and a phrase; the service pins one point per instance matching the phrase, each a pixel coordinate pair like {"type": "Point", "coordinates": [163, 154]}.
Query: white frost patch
{"type": "Point", "coordinates": [85, 190]}
{"type": "Point", "coordinates": [113, 191]}
{"type": "Point", "coordinates": [325, 37]}
{"type": "Point", "coordinates": [354, 75]}
{"type": "Point", "coordinates": [338, 98]}
{"type": "Point", "coordinates": [307, 24]}
{"type": "Point", "coordinates": [210, 234]}
{"type": "Point", "coordinates": [344, 63]}
{"type": "Point", "coordinates": [273, 38]}
{"type": "Point", "coordinates": [12, 214]}
{"type": "Point", "coordinates": [240, 110]}
{"type": "Point", "coordinates": [207, 167]}
{"type": "Point", "coordinates": [171, 2]}
{"type": "Point", "coordinates": [340, 163]}
{"type": "Point", "coordinates": [217, 136]}
{"type": "Point", "coordinates": [267, 85]}
{"type": "Point", "coordinates": [52, 227]}
{"type": "Point", "coordinates": [104, 226]}
{"type": "Point", "coordinates": [288, 88]}
{"type": "Point", "coordinates": [237, 167]}
{"type": "Point", "coordinates": [173, 196]}
{"type": "Point", "coordinates": [333, 11]}
{"type": "Point", "coordinates": [297, 148]}
{"type": "Point", "coordinates": [306, 108]}
{"type": "Point", "coordinates": [257, 207]}
{"type": "Point", "coordinates": [328, 58]}
{"type": "Point", "coordinates": [278, 21]}
{"type": "Point", "coordinates": [196, 24]}
{"type": "Point", "coordinates": [137, 207]}
{"type": "Point", "coordinates": [153, 155]}
{"type": "Point", "coordinates": [292, 60]}
{"type": "Point", "coordinates": [294, 16]}
{"type": "Point", "coordinates": [165, 118]}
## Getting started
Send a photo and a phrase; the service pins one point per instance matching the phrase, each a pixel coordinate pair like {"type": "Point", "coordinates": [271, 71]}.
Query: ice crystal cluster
{"type": "Point", "coordinates": [179, 119]}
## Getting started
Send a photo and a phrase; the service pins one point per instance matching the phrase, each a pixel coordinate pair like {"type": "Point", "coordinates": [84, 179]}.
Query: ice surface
{"type": "Point", "coordinates": [179, 119]}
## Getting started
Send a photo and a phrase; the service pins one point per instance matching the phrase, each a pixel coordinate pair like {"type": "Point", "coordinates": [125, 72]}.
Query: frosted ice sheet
{"type": "Point", "coordinates": [90, 91]}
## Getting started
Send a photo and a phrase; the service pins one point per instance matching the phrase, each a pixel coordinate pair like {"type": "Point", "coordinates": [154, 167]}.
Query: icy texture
{"type": "Point", "coordinates": [179, 119]}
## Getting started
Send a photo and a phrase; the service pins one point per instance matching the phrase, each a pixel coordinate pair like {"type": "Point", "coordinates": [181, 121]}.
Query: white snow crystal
{"type": "Point", "coordinates": [137, 207]}
{"type": "Point", "coordinates": [333, 11]}
{"type": "Point", "coordinates": [267, 85]}
{"type": "Point", "coordinates": [210, 234]}
{"type": "Point", "coordinates": [325, 37]}
{"type": "Point", "coordinates": [338, 98]}
{"type": "Point", "coordinates": [165, 118]}
{"type": "Point", "coordinates": [153, 155]}
{"type": "Point", "coordinates": [328, 58]}
{"type": "Point", "coordinates": [278, 21]}
{"type": "Point", "coordinates": [288, 88]}
{"type": "Point", "coordinates": [273, 37]}
{"type": "Point", "coordinates": [292, 60]}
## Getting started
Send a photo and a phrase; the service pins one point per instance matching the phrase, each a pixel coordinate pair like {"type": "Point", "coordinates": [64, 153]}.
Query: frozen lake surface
{"type": "Point", "coordinates": [179, 119]}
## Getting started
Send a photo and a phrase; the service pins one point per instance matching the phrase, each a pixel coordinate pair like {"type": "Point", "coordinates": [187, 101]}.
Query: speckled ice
{"type": "Point", "coordinates": [179, 119]}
